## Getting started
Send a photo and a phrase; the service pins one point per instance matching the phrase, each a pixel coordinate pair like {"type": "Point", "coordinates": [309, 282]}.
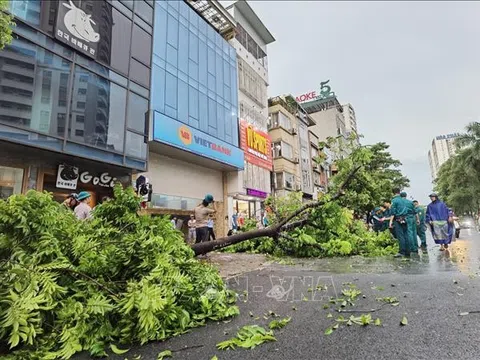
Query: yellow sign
{"type": "Point", "coordinates": [257, 141]}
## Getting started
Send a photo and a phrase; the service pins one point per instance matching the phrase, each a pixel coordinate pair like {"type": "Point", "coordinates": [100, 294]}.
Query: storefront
{"type": "Point", "coordinates": [75, 96]}
{"type": "Point", "coordinates": [22, 170]}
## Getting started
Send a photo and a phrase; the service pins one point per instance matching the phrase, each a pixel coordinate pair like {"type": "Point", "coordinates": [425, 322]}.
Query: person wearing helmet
{"type": "Point", "coordinates": [202, 213]}
{"type": "Point", "coordinates": [439, 220]}
{"type": "Point", "coordinates": [400, 212]}
{"type": "Point", "coordinates": [83, 210]}
{"type": "Point", "coordinates": [421, 227]}
{"type": "Point", "coordinates": [71, 201]}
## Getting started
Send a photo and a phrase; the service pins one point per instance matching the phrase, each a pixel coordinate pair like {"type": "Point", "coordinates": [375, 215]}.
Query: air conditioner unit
{"type": "Point", "coordinates": [293, 131]}
{"type": "Point", "coordinates": [298, 187]}
{"type": "Point", "coordinates": [295, 160]}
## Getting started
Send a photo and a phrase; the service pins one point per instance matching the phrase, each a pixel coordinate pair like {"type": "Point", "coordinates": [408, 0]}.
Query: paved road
{"type": "Point", "coordinates": [433, 289]}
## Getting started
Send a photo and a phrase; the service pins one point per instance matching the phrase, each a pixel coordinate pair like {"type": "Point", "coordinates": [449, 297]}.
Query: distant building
{"type": "Point", "coordinates": [292, 160]}
{"type": "Point", "coordinates": [350, 120]}
{"type": "Point", "coordinates": [443, 148]}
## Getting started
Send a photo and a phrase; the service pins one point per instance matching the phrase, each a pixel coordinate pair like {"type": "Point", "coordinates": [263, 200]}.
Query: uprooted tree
{"type": "Point", "coordinates": [366, 176]}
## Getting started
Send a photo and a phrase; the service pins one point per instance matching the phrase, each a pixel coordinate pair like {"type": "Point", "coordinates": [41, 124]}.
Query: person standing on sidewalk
{"type": "Point", "coordinates": [211, 233]}
{"type": "Point", "coordinates": [421, 226]}
{"type": "Point", "coordinates": [202, 213]}
{"type": "Point", "coordinates": [191, 229]}
{"type": "Point", "coordinates": [83, 211]}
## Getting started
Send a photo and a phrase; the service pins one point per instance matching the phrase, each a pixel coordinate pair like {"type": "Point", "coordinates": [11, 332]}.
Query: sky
{"type": "Point", "coordinates": [410, 69]}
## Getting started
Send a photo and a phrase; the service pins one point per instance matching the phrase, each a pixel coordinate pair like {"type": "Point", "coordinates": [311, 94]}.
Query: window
{"type": "Point", "coordinates": [279, 119]}
{"type": "Point", "coordinates": [34, 106]}
{"type": "Point", "coordinates": [144, 11]}
{"type": "Point", "coordinates": [141, 45]}
{"type": "Point", "coordinates": [282, 149]}
{"type": "Point", "coordinates": [251, 83]}
{"type": "Point", "coordinates": [244, 38]}
{"type": "Point", "coordinates": [27, 10]}
{"type": "Point", "coordinates": [121, 33]}
{"type": "Point", "coordinates": [285, 180]}
{"type": "Point", "coordinates": [102, 114]}
{"type": "Point", "coordinates": [82, 91]}
{"type": "Point", "coordinates": [78, 132]}
{"type": "Point", "coordinates": [136, 145]}
{"type": "Point", "coordinates": [139, 73]}
{"type": "Point", "coordinates": [137, 107]}
{"type": "Point", "coordinates": [11, 180]}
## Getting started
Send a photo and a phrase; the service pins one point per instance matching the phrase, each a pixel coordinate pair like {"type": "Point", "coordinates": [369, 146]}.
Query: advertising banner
{"type": "Point", "coordinates": [257, 145]}
{"type": "Point", "coordinates": [175, 133]}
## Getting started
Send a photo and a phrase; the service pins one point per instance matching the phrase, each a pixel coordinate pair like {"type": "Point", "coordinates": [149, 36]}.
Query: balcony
{"type": "Point", "coordinates": [216, 15]}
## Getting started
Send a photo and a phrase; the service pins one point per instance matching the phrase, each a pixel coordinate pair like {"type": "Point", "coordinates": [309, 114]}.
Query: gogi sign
{"type": "Point", "coordinates": [104, 180]}
{"type": "Point", "coordinates": [77, 28]}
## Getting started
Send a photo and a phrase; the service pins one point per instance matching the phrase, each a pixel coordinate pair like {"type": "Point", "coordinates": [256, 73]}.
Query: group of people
{"type": "Point", "coordinates": [79, 203]}
{"type": "Point", "coordinates": [408, 220]}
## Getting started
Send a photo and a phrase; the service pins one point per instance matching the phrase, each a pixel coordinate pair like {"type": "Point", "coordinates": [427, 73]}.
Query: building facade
{"type": "Point", "coordinates": [248, 189]}
{"type": "Point", "coordinates": [75, 96]}
{"type": "Point", "coordinates": [443, 148]}
{"type": "Point", "coordinates": [194, 137]}
{"type": "Point", "coordinates": [350, 118]}
{"type": "Point", "coordinates": [291, 147]}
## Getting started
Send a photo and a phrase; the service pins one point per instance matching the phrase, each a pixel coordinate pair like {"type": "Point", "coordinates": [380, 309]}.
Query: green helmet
{"type": "Point", "coordinates": [208, 198]}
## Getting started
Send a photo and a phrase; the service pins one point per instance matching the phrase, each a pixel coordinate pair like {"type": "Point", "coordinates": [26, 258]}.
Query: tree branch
{"type": "Point", "coordinates": [274, 230]}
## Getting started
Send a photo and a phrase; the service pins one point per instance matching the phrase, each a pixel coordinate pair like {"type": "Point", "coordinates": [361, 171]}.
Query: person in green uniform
{"type": "Point", "coordinates": [377, 220]}
{"type": "Point", "coordinates": [412, 220]}
{"type": "Point", "coordinates": [387, 214]}
{"type": "Point", "coordinates": [400, 210]}
{"type": "Point", "coordinates": [421, 226]}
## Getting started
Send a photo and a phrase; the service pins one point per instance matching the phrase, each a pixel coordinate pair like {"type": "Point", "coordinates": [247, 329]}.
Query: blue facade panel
{"type": "Point", "coordinates": [194, 77]}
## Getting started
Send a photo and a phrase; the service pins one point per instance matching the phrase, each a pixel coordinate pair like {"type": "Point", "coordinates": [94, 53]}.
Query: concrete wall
{"type": "Point", "coordinates": [326, 124]}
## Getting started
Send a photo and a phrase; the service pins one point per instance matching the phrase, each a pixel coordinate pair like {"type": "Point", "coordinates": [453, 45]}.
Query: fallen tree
{"type": "Point", "coordinates": [296, 219]}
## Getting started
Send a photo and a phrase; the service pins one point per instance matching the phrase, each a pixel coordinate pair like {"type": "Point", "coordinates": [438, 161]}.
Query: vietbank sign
{"type": "Point", "coordinates": [175, 133]}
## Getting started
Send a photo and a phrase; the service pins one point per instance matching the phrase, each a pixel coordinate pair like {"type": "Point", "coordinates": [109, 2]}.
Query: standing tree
{"type": "Point", "coordinates": [374, 183]}
{"type": "Point", "coordinates": [6, 24]}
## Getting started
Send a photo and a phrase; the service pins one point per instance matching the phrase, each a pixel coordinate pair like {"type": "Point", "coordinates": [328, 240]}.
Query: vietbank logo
{"type": "Point", "coordinates": [185, 135]}
{"type": "Point", "coordinates": [187, 138]}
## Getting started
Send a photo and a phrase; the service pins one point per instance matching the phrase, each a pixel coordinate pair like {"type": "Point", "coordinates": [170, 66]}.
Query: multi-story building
{"type": "Point", "coordinates": [291, 144]}
{"type": "Point", "coordinates": [74, 96]}
{"type": "Point", "coordinates": [194, 137]}
{"type": "Point", "coordinates": [248, 189]}
{"type": "Point", "coordinates": [443, 148]}
{"type": "Point", "coordinates": [350, 121]}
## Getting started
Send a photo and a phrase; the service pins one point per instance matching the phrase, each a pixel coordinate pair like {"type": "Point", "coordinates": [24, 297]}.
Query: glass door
{"type": "Point", "coordinates": [11, 181]}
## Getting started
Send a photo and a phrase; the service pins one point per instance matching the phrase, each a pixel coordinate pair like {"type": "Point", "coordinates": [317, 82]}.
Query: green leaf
{"type": "Point", "coordinates": [118, 351]}
{"type": "Point", "coordinates": [214, 357]}
{"type": "Point", "coordinates": [164, 354]}
{"type": "Point", "coordinates": [378, 322]}
{"type": "Point", "coordinates": [328, 331]}
{"type": "Point", "coordinates": [278, 324]}
{"type": "Point", "coordinates": [335, 327]}
{"type": "Point", "coordinates": [329, 315]}
{"type": "Point", "coordinates": [404, 321]}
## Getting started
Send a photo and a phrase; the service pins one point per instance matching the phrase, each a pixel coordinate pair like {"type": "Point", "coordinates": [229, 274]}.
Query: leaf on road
{"type": "Point", "coordinates": [455, 281]}
{"type": "Point", "coordinates": [378, 322]}
{"type": "Point", "coordinates": [118, 351]}
{"type": "Point", "coordinates": [464, 313]}
{"type": "Point", "coordinates": [214, 357]}
{"type": "Point", "coordinates": [379, 288]}
{"type": "Point", "coordinates": [251, 314]}
{"type": "Point", "coordinates": [404, 321]}
{"type": "Point", "coordinates": [328, 331]}
{"type": "Point", "coordinates": [326, 306]}
{"type": "Point", "coordinates": [294, 308]}
{"type": "Point", "coordinates": [329, 316]}
{"type": "Point", "coordinates": [278, 324]}
{"type": "Point", "coordinates": [335, 327]}
{"type": "Point", "coordinates": [164, 354]}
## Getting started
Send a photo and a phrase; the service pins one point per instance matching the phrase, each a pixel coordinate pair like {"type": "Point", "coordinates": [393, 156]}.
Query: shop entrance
{"type": "Point", "coordinates": [246, 208]}
{"type": "Point", "coordinates": [11, 181]}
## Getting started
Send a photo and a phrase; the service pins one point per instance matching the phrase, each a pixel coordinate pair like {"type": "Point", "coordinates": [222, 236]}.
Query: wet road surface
{"type": "Point", "coordinates": [432, 289]}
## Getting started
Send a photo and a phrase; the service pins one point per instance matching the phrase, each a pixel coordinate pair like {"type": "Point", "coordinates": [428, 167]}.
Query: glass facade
{"type": "Point", "coordinates": [54, 97]}
{"type": "Point", "coordinates": [194, 76]}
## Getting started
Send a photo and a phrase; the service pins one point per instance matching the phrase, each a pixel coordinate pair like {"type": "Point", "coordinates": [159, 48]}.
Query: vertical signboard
{"type": "Point", "coordinates": [257, 145]}
{"type": "Point", "coordinates": [78, 25]}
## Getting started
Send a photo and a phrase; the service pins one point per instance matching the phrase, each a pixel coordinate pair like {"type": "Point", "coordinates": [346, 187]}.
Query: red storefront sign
{"type": "Point", "coordinates": [257, 146]}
